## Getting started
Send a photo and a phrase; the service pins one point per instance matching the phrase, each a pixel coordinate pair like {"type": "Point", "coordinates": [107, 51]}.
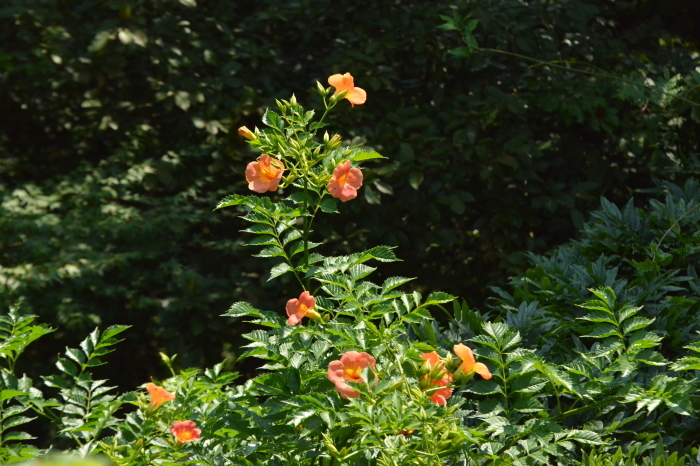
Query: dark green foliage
{"type": "Point", "coordinates": [621, 361]}
{"type": "Point", "coordinates": [117, 135]}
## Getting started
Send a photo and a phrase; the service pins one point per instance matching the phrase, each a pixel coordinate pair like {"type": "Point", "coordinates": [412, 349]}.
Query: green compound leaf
{"type": "Point", "coordinates": [485, 387]}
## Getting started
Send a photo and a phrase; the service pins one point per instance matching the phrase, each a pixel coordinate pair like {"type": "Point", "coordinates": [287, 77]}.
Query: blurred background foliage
{"type": "Point", "coordinates": [118, 136]}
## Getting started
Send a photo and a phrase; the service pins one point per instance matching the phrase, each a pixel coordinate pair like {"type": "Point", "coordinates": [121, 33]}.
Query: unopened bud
{"type": "Point", "coordinates": [321, 90]}
{"type": "Point", "coordinates": [246, 133]}
{"type": "Point", "coordinates": [424, 383]}
{"type": "Point", "coordinates": [339, 96]}
{"type": "Point", "coordinates": [293, 100]}
{"type": "Point", "coordinates": [425, 368]}
{"type": "Point", "coordinates": [438, 371]}
{"type": "Point", "coordinates": [326, 317]}
{"type": "Point", "coordinates": [460, 377]}
{"type": "Point", "coordinates": [334, 143]}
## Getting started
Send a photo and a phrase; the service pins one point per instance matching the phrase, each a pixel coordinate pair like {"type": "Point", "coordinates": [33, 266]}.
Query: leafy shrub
{"type": "Point", "coordinates": [369, 378]}
{"type": "Point", "coordinates": [116, 139]}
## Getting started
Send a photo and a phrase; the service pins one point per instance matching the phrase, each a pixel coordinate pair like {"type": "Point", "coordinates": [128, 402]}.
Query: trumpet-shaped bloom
{"type": "Point", "coordinates": [433, 359]}
{"type": "Point", "coordinates": [439, 396]}
{"type": "Point", "coordinates": [264, 175]}
{"type": "Point", "coordinates": [345, 182]}
{"type": "Point", "coordinates": [344, 82]}
{"type": "Point", "coordinates": [159, 395]}
{"type": "Point", "coordinates": [302, 307]}
{"type": "Point", "coordinates": [349, 369]}
{"type": "Point", "coordinates": [431, 382]}
{"type": "Point", "coordinates": [185, 431]}
{"type": "Point", "coordinates": [469, 364]}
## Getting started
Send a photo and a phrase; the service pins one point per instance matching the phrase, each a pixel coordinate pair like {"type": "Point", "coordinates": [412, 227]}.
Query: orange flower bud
{"type": "Point", "coordinates": [246, 133]}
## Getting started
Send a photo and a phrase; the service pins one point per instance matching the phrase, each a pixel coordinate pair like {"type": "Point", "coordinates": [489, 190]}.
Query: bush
{"type": "Point", "coordinates": [116, 139]}
{"type": "Point", "coordinates": [370, 378]}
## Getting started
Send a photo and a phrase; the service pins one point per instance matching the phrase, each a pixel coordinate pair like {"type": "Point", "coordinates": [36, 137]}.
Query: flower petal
{"type": "Point", "coordinates": [467, 356]}
{"type": "Point", "coordinates": [356, 96]}
{"type": "Point", "coordinates": [341, 82]}
{"type": "Point", "coordinates": [345, 390]}
{"type": "Point", "coordinates": [482, 370]}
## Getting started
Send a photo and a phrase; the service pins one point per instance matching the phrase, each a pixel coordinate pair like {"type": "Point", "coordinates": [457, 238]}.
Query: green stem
{"type": "Point", "coordinates": [674, 225]}
{"type": "Point", "coordinates": [583, 409]}
{"type": "Point", "coordinates": [307, 227]}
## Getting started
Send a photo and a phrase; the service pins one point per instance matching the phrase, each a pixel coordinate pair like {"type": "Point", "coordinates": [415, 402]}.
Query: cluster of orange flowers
{"type": "Point", "coordinates": [435, 381]}
{"type": "Point", "coordinates": [437, 378]}
{"type": "Point", "coordinates": [184, 431]}
{"type": "Point", "coordinates": [266, 173]}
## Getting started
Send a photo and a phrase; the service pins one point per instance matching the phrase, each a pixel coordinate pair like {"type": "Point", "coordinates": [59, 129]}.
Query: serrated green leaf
{"type": "Point", "coordinates": [360, 271]}
{"type": "Point", "coordinates": [279, 269]}
{"type": "Point", "coordinates": [67, 366]}
{"type": "Point", "coordinates": [599, 316]}
{"type": "Point", "coordinates": [272, 251]}
{"type": "Point", "coordinates": [291, 235]}
{"type": "Point", "coordinates": [6, 394]}
{"type": "Point", "coordinates": [686, 364]}
{"type": "Point", "coordinates": [234, 199]}
{"type": "Point", "coordinates": [438, 298]}
{"type": "Point", "coordinates": [263, 241]}
{"type": "Point", "coordinates": [366, 155]}
{"type": "Point", "coordinates": [603, 331]}
{"type": "Point", "coordinates": [273, 120]}
{"type": "Point", "coordinates": [484, 387]}
{"type": "Point", "coordinates": [651, 358]}
{"type": "Point", "coordinates": [627, 312]}
{"type": "Point", "coordinates": [15, 435]}
{"type": "Point", "coordinates": [597, 305]}
{"type": "Point", "coordinates": [392, 282]}
{"type": "Point", "coordinates": [528, 405]}
{"type": "Point", "coordinates": [606, 294]}
{"type": "Point", "coordinates": [528, 384]}
{"type": "Point", "coordinates": [635, 323]}
{"type": "Point", "coordinates": [382, 254]}
{"type": "Point", "coordinates": [329, 205]}
{"type": "Point", "coordinates": [585, 436]}
{"type": "Point", "coordinates": [114, 330]}
{"type": "Point", "coordinates": [15, 421]}
{"type": "Point", "coordinates": [241, 309]}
